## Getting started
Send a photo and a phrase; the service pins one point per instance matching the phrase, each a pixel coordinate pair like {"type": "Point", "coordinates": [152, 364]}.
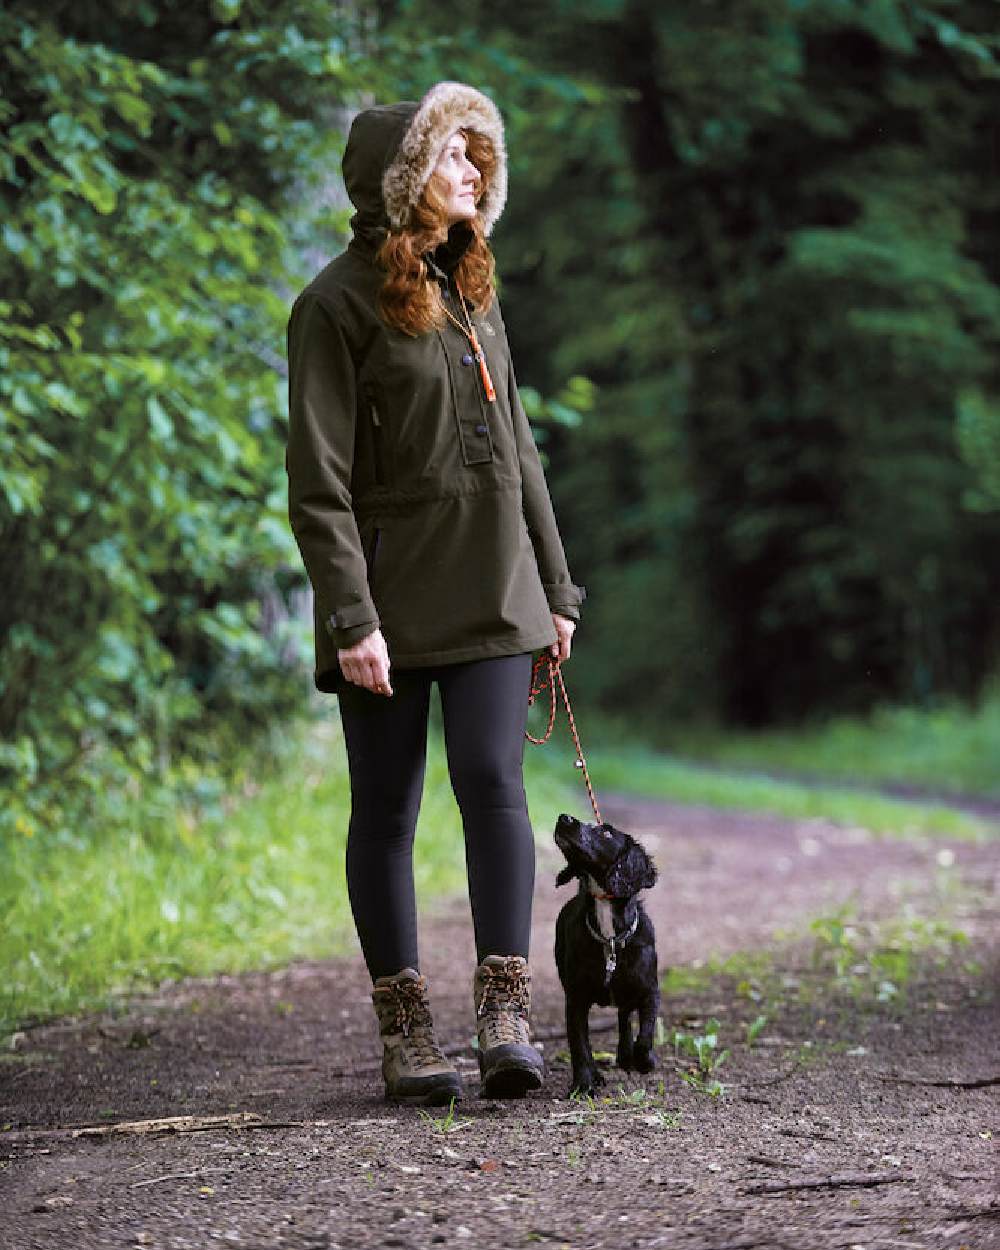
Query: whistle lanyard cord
{"type": "Point", "coordinates": [554, 671]}
{"type": "Point", "coordinates": [469, 330]}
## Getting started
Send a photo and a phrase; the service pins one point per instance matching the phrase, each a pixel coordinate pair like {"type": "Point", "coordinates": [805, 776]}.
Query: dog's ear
{"type": "Point", "coordinates": [631, 872]}
{"type": "Point", "coordinates": [567, 874]}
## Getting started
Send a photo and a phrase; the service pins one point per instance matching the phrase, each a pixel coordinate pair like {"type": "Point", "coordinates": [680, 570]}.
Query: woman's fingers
{"type": "Point", "coordinates": [561, 648]}
{"type": "Point", "coordinates": [366, 664]}
{"type": "Point", "coordinates": [373, 676]}
{"type": "Point", "coordinates": [380, 678]}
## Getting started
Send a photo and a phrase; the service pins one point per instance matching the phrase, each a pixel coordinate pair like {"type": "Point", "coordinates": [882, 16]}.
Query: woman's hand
{"type": "Point", "coordinates": [367, 663]}
{"type": "Point", "coordinates": [565, 628]}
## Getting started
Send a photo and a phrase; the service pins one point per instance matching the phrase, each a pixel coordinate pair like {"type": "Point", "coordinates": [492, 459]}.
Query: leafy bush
{"type": "Point", "coordinates": [152, 593]}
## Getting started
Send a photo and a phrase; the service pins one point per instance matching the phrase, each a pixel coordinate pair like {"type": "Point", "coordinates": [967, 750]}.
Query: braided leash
{"type": "Point", "coordinates": [554, 671]}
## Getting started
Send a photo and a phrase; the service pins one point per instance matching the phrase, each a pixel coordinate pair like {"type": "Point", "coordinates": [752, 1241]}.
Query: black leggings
{"type": "Point", "coordinates": [484, 706]}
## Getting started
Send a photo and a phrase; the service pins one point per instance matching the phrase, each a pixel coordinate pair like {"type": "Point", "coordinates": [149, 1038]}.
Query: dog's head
{"type": "Point", "coordinates": [614, 859]}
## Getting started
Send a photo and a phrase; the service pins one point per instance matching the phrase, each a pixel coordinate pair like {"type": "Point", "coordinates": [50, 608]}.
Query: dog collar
{"type": "Point", "coordinates": [612, 945]}
{"type": "Point", "coordinates": [604, 898]}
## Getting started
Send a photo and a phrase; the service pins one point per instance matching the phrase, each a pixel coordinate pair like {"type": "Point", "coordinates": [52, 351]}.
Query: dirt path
{"type": "Point", "coordinates": [877, 1120]}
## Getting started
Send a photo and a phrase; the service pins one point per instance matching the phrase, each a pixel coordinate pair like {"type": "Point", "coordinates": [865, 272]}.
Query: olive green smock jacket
{"type": "Point", "coordinates": [419, 506]}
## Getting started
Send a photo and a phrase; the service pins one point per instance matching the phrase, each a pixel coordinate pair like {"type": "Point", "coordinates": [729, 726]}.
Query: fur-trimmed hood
{"type": "Point", "coordinates": [392, 149]}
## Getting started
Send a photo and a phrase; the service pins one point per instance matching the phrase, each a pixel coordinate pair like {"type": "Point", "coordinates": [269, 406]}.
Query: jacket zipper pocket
{"type": "Point", "coordinates": [373, 553]}
{"type": "Point", "coordinates": [379, 463]}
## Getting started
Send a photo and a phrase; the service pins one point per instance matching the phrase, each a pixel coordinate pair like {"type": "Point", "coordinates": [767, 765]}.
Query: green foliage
{"type": "Point", "coordinates": [950, 748]}
{"type": "Point", "coordinates": [447, 1123]}
{"type": "Point", "coordinates": [979, 440]}
{"type": "Point", "coordinates": [870, 960]}
{"type": "Point", "coordinates": [764, 231]}
{"type": "Point", "coordinates": [703, 1048]}
{"type": "Point", "coordinates": [755, 1028]}
{"type": "Point", "coordinates": [146, 164]}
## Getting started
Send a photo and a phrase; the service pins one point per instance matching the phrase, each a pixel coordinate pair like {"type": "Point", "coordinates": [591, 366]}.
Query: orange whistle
{"type": "Point", "coordinates": [484, 372]}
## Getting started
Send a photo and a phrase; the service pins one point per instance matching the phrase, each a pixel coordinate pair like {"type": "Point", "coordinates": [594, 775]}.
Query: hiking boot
{"type": "Point", "coordinates": [414, 1068]}
{"type": "Point", "coordinates": [508, 1063]}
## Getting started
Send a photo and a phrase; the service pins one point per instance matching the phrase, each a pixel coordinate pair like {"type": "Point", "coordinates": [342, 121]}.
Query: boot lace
{"type": "Point", "coordinates": [412, 1018]}
{"type": "Point", "coordinates": [505, 1002]}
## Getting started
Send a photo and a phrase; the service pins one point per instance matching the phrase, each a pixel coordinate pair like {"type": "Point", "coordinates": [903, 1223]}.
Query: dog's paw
{"type": "Point", "coordinates": [643, 1060]}
{"type": "Point", "coordinates": [586, 1083]}
{"type": "Point", "coordinates": [625, 1058]}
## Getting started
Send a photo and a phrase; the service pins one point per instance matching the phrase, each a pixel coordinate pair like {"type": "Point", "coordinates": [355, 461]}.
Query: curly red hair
{"type": "Point", "coordinates": [409, 300]}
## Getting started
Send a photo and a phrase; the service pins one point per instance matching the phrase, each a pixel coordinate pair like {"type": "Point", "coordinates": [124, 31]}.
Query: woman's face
{"type": "Point", "coordinates": [459, 180]}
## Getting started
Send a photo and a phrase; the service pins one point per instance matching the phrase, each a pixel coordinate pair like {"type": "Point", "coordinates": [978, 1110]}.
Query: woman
{"type": "Point", "coordinates": [420, 508]}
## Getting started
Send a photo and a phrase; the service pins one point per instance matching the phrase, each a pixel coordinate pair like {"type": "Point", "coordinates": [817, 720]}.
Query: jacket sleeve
{"type": "Point", "coordinates": [322, 414]}
{"type": "Point", "coordinates": [564, 598]}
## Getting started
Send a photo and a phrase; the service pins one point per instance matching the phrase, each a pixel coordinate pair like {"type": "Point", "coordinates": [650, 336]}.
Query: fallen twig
{"type": "Point", "coordinates": [768, 1162]}
{"type": "Point", "coordinates": [742, 1243]}
{"type": "Point", "coordinates": [949, 1083]}
{"type": "Point", "coordinates": [809, 1135]}
{"type": "Point", "coordinates": [169, 1124]}
{"type": "Point", "coordinates": [187, 1124]}
{"type": "Point", "coordinates": [837, 1180]}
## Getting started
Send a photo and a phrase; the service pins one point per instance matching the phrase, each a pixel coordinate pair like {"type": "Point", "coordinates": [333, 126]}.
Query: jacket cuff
{"type": "Point", "coordinates": [348, 637]}
{"type": "Point", "coordinates": [351, 623]}
{"type": "Point", "coordinates": [565, 598]}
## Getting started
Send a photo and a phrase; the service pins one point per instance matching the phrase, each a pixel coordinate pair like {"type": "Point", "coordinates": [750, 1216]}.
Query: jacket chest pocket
{"type": "Point", "coordinates": [470, 406]}
{"type": "Point", "coordinates": [424, 411]}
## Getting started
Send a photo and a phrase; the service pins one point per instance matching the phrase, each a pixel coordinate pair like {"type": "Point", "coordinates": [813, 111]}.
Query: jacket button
{"type": "Point", "coordinates": [480, 429]}
{"type": "Point", "coordinates": [466, 359]}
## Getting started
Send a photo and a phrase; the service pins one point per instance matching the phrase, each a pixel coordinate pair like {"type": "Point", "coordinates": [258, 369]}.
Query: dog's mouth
{"type": "Point", "coordinates": [563, 832]}
{"type": "Point", "coordinates": [570, 847]}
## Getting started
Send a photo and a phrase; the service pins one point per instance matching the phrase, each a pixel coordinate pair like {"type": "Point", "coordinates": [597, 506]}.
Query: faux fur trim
{"type": "Point", "coordinates": [443, 110]}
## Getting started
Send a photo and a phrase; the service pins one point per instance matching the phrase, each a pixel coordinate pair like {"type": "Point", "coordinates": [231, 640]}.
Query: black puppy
{"type": "Point", "coordinates": [605, 945]}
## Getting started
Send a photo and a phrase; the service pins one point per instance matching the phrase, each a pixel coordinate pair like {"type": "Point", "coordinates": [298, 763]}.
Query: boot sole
{"type": "Point", "coordinates": [436, 1096]}
{"type": "Point", "coordinates": [512, 1082]}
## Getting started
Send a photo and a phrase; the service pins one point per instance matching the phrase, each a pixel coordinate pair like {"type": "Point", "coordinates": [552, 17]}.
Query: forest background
{"type": "Point", "coordinates": [750, 266]}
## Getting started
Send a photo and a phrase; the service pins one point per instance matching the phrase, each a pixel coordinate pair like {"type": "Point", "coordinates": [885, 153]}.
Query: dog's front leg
{"type": "Point", "coordinates": [585, 1074]}
{"type": "Point", "coordinates": [624, 1058]}
{"type": "Point", "coordinates": [644, 1059]}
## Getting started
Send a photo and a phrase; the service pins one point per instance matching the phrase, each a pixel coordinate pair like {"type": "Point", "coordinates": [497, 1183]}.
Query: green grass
{"type": "Point", "coordinates": [951, 749]}
{"type": "Point", "coordinates": [643, 771]}
{"type": "Point", "coordinates": [258, 879]}
{"type": "Point", "coordinates": [252, 885]}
